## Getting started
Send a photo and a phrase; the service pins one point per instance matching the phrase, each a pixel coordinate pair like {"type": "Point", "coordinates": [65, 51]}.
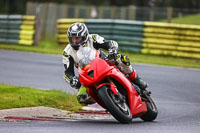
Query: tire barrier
{"type": "Point", "coordinates": [62, 26]}
{"type": "Point", "coordinates": [142, 37]}
{"type": "Point", "coordinates": [128, 34]}
{"type": "Point", "coordinates": [17, 29]}
{"type": "Point", "coordinates": [172, 39]}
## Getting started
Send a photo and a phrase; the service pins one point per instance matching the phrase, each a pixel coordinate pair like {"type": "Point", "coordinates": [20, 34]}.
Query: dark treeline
{"type": "Point", "coordinates": [19, 6]}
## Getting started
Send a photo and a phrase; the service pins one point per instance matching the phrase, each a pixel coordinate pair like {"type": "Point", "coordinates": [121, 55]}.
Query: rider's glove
{"type": "Point", "coordinates": [74, 82]}
{"type": "Point", "coordinates": [112, 53]}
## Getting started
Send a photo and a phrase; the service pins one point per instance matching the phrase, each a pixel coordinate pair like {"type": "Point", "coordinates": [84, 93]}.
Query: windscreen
{"type": "Point", "coordinates": [85, 56]}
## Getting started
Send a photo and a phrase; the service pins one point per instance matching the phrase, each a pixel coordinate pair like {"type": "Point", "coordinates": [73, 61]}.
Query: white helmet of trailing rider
{"type": "Point", "coordinates": [77, 35]}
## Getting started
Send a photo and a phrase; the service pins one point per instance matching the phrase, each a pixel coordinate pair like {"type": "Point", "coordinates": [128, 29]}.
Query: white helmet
{"type": "Point", "coordinates": [77, 35]}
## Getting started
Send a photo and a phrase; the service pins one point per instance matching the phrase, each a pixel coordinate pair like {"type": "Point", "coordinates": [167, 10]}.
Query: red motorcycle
{"type": "Point", "coordinates": [112, 90]}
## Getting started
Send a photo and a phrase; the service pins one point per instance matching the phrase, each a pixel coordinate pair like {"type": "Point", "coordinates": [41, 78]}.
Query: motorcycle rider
{"type": "Point", "coordinates": [79, 36]}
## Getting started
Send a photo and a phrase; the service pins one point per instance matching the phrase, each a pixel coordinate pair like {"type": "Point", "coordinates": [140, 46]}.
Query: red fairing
{"type": "Point", "coordinates": [101, 70]}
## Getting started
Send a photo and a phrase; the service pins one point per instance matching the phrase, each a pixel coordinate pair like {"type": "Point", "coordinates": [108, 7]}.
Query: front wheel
{"type": "Point", "coordinates": [152, 110]}
{"type": "Point", "coordinates": [115, 104]}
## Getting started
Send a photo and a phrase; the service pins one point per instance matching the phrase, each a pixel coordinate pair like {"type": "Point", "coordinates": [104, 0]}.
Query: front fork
{"type": "Point", "coordinates": [113, 88]}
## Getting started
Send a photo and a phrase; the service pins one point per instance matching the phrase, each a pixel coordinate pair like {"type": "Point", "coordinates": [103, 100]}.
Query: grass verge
{"type": "Point", "coordinates": [189, 19]}
{"type": "Point", "coordinates": [48, 47]}
{"type": "Point", "coordinates": [17, 96]}
{"type": "Point", "coordinates": [163, 60]}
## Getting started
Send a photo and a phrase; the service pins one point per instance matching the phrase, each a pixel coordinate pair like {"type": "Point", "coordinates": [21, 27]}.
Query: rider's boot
{"type": "Point", "coordinates": [138, 81]}
{"type": "Point", "coordinates": [83, 97]}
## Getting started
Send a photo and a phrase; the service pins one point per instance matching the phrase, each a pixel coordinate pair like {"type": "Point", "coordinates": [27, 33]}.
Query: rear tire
{"type": "Point", "coordinates": [120, 110]}
{"type": "Point", "coordinates": [152, 111]}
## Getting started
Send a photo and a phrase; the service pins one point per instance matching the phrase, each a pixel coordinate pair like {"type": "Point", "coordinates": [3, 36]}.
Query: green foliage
{"type": "Point", "coordinates": [19, 6]}
{"type": "Point", "coordinates": [16, 97]}
{"type": "Point", "coordinates": [183, 4]}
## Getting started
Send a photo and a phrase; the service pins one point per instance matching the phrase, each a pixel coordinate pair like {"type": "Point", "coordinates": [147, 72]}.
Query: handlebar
{"type": "Point", "coordinates": [110, 60]}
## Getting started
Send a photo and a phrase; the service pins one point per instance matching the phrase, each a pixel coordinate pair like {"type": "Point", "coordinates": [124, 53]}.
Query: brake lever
{"type": "Point", "coordinates": [110, 61]}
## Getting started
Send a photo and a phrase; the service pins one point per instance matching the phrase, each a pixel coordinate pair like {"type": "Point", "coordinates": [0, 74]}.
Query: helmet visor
{"type": "Point", "coordinates": [76, 40]}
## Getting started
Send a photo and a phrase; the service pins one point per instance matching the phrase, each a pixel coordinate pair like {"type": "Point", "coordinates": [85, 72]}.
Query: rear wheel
{"type": "Point", "coordinates": [152, 111]}
{"type": "Point", "coordinates": [116, 104]}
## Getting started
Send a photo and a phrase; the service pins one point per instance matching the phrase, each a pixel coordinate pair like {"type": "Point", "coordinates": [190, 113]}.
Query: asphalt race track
{"type": "Point", "coordinates": [175, 90]}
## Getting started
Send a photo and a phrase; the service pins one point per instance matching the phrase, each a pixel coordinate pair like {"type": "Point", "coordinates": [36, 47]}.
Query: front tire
{"type": "Point", "coordinates": [116, 106]}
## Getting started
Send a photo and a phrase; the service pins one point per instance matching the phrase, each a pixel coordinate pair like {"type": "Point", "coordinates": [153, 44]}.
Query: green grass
{"type": "Point", "coordinates": [48, 47]}
{"type": "Point", "coordinates": [16, 97]}
{"type": "Point", "coordinates": [54, 48]}
{"type": "Point", "coordinates": [190, 19]}
{"type": "Point", "coordinates": [163, 60]}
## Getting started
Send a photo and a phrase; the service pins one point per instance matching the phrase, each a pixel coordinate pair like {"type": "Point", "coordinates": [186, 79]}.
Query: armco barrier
{"type": "Point", "coordinates": [143, 37]}
{"type": "Point", "coordinates": [17, 29]}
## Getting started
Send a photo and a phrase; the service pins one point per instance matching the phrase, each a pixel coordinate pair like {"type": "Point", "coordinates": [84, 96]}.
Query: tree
{"type": "Point", "coordinates": [19, 6]}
